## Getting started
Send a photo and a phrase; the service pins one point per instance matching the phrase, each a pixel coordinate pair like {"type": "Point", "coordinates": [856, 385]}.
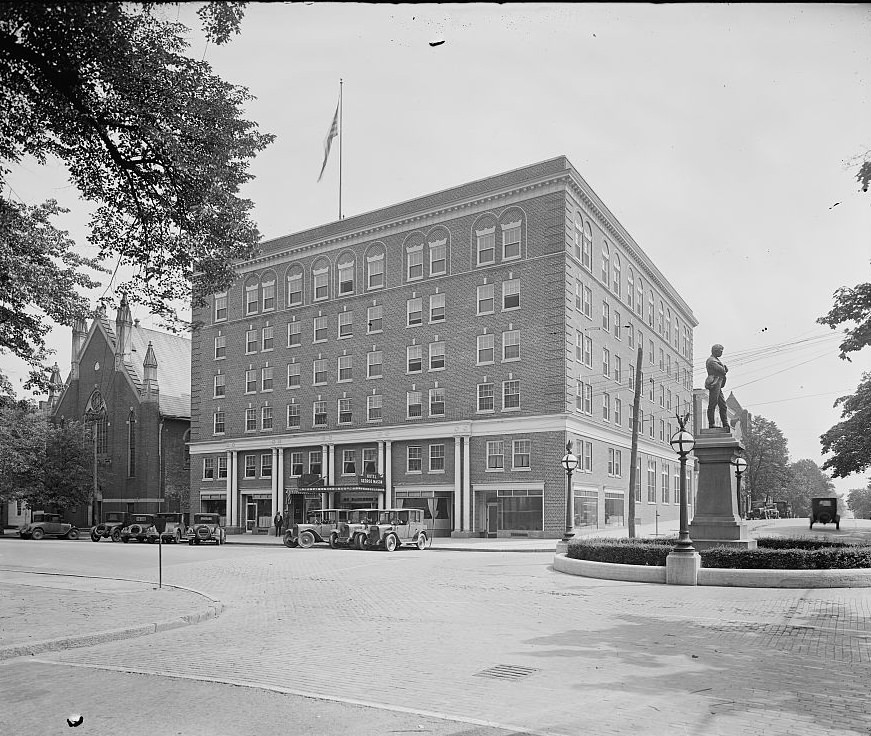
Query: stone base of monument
{"type": "Point", "coordinates": [706, 536]}
{"type": "Point", "coordinates": [682, 567]}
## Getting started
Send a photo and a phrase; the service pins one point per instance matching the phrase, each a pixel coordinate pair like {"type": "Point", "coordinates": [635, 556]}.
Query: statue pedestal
{"type": "Point", "coordinates": [716, 521]}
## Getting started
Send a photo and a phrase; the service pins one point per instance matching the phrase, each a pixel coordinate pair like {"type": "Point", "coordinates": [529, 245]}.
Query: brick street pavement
{"type": "Point", "coordinates": [419, 631]}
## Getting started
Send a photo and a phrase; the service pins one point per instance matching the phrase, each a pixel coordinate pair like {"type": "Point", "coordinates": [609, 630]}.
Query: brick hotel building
{"type": "Point", "coordinates": [439, 354]}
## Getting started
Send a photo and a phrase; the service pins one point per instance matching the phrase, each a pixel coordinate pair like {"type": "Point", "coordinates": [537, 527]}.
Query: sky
{"type": "Point", "coordinates": [717, 134]}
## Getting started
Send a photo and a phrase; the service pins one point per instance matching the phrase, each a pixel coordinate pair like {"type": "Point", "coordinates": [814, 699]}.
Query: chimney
{"type": "Point", "coordinates": [80, 334]}
{"type": "Point", "coordinates": [55, 386]}
{"type": "Point", "coordinates": [123, 333]}
{"type": "Point", "coordinates": [150, 387]}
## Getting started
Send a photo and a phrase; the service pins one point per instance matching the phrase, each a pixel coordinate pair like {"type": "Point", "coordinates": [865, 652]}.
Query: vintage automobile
{"type": "Point", "coordinates": [141, 528]}
{"type": "Point", "coordinates": [176, 527]}
{"type": "Point", "coordinates": [396, 527]}
{"type": "Point", "coordinates": [206, 528]}
{"type": "Point", "coordinates": [825, 511]}
{"type": "Point", "coordinates": [110, 527]}
{"type": "Point", "coordinates": [355, 531]}
{"type": "Point", "coordinates": [318, 527]}
{"type": "Point", "coordinates": [47, 525]}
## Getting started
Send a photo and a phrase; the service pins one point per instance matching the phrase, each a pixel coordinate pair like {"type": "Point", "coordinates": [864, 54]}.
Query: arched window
{"type": "Point", "coordinates": [579, 237]}
{"type": "Point", "coordinates": [650, 308]}
{"type": "Point", "coordinates": [267, 292]}
{"type": "Point", "coordinates": [587, 255]}
{"type": "Point", "coordinates": [95, 415]}
{"type": "Point", "coordinates": [606, 263]}
{"type": "Point", "coordinates": [320, 280]}
{"type": "Point", "coordinates": [617, 287]}
{"type": "Point", "coordinates": [630, 289]}
{"type": "Point", "coordinates": [668, 325]}
{"type": "Point", "coordinates": [375, 267]}
{"type": "Point", "coordinates": [252, 296]}
{"type": "Point", "coordinates": [294, 286]}
{"type": "Point", "coordinates": [345, 270]}
{"type": "Point", "coordinates": [660, 321]}
{"type": "Point", "coordinates": [131, 444]}
{"type": "Point", "coordinates": [639, 298]}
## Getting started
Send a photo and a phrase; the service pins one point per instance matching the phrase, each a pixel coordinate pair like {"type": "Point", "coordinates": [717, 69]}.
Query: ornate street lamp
{"type": "Point", "coordinates": [683, 443]}
{"type": "Point", "coordinates": [740, 467]}
{"type": "Point", "coordinates": [569, 462]}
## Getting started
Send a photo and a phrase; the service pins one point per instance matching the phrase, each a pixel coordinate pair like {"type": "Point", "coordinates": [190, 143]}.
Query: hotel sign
{"type": "Point", "coordinates": [373, 480]}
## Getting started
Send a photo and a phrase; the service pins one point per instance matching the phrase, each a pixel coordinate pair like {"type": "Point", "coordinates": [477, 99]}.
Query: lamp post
{"type": "Point", "coordinates": [683, 442]}
{"type": "Point", "coordinates": [740, 467]}
{"type": "Point", "coordinates": [569, 463]}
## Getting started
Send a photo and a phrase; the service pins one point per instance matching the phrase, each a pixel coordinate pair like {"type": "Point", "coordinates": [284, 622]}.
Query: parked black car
{"type": "Point", "coordinates": [111, 527]}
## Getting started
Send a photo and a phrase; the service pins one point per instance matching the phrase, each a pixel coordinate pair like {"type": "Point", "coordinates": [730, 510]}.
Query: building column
{"type": "Point", "coordinates": [458, 479]}
{"type": "Point", "coordinates": [274, 480]}
{"type": "Point", "coordinates": [388, 475]}
{"type": "Point", "coordinates": [231, 487]}
{"type": "Point", "coordinates": [467, 485]}
{"type": "Point", "coordinates": [325, 460]}
{"type": "Point", "coordinates": [280, 499]}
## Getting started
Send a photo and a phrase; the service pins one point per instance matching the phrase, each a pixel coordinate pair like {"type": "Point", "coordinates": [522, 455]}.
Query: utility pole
{"type": "Point", "coordinates": [633, 456]}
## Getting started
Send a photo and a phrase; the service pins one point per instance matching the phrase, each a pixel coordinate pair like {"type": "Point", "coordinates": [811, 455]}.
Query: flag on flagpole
{"type": "Point", "coordinates": [334, 131]}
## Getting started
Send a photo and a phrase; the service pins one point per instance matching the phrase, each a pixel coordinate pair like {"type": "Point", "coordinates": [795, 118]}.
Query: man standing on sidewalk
{"type": "Point", "coordinates": [279, 520]}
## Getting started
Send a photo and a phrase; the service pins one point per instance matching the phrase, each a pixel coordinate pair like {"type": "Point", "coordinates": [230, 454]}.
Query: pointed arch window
{"type": "Point", "coordinates": [131, 444]}
{"type": "Point", "coordinates": [95, 414]}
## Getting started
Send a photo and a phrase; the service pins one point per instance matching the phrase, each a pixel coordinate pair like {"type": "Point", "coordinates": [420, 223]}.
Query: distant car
{"type": "Point", "coordinates": [110, 527]}
{"type": "Point", "coordinates": [396, 527]}
{"type": "Point", "coordinates": [206, 528]}
{"type": "Point", "coordinates": [47, 525]}
{"type": "Point", "coordinates": [825, 511]}
{"type": "Point", "coordinates": [141, 528]}
{"type": "Point", "coordinates": [355, 531]}
{"type": "Point", "coordinates": [176, 528]}
{"type": "Point", "coordinates": [320, 524]}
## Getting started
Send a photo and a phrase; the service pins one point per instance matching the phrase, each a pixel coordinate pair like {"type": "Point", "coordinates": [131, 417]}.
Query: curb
{"type": "Point", "coordinates": [436, 548]}
{"type": "Point", "coordinates": [101, 637]}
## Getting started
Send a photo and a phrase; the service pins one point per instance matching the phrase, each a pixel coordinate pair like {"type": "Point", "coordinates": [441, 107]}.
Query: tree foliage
{"type": "Point", "coordinates": [851, 305]}
{"type": "Point", "coordinates": [859, 501]}
{"type": "Point", "coordinates": [806, 481]}
{"type": "Point", "coordinates": [153, 138]}
{"type": "Point", "coordinates": [767, 459]}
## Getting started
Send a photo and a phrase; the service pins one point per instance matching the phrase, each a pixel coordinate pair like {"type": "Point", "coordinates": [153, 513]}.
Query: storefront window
{"type": "Point", "coordinates": [586, 509]}
{"type": "Point", "coordinates": [521, 513]}
{"type": "Point", "coordinates": [614, 514]}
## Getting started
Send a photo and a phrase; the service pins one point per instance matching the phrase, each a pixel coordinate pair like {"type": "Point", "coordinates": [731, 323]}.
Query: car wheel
{"type": "Point", "coordinates": [116, 535]}
{"type": "Point", "coordinates": [73, 533]}
{"type": "Point", "coordinates": [178, 537]}
{"type": "Point", "coordinates": [391, 542]}
{"type": "Point", "coordinates": [306, 539]}
{"type": "Point", "coordinates": [421, 541]}
{"type": "Point", "coordinates": [37, 533]}
{"type": "Point", "coordinates": [334, 541]}
{"type": "Point", "coordinates": [95, 537]}
{"type": "Point", "coordinates": [289, 541]}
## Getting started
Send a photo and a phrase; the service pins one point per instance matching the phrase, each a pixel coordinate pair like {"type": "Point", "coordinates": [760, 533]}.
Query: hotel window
{"type": "Point", "coordinates": [220, 386]}
{"type": "Point", "coordinates": [292, 416]}
{"type": "Point", "coordinates": [511, 241]}
{"type": "Point", "coordinates": [413, 404]}
{"type": "Point", "coordinates": [220, 347]}
{"type": "Point", "coordinates": [321, 283]}
{"type": "Point", "coordinates": [485, 397]}
{"type": "Point", "coordinates": [414, 262]}
{"type": "Point", "coordinates": [374, 316]}
{"type": "Point", "coordinates": [436, 458]}
{"type": "Point", "coordinates": [438, 257]}
{"type": "Point", "coordinates": [579, 290]}
{"type": "Point", "coordinates": [606, 407]}
{"type": "Point", "coordinates": [414, 358]}
{"type": "Point", "coordinates": [579, 346]}
{"type": "Point", "coordinates": [579, 395]}
{"type": "Point", "coordinates": [319, 414]}
{"type": "Point", "coordinates": [650, 308]}
{"type": "Point", "coordinates": [618, 369]}
{"type": "Point", "coordinates": [316, 463]}
{"type": "Point", "coordinates": [221, 307]}
{"type": "Point", "coordinates": [615, 469]}
{"type": "Point", "coordinates": [373, 408]}
{"type": "Point", "coordinates": [413, 459]}
{"type": "Point", "coordinates": [486, 349]}
{"type": "Point", "coordinates": [370, 460]}
{"type": "Point", "coordinates": [349, 462]}
{"type": "Point", "coordinates": [676, 333]}
{"type": "Point", "coordinates": [630, 335]}
{"type": "Point", "coordinates": [661, 396]}
{"type": "Point", "coordinates": [511, 345]}
{"type": "Point", "coordinates": [294, 336]}
{"type": "Point", "coordinates": [375, 271]}
{"type": "Point", "coordinates": [587, 256]}
{"type": "Point", "coordinates": [208, 468]}
{"type": "Point", "coordinates": [319, 372]}
{"type": "Point", "coordinates": [294, 288]}
{"type": "Point", "coordinates": [252, 299]}
{"type": "Point", "coordinates": [606, 263]}
{"type": "Point", "coordinates": [638, 479]}
{"type": "Point", "coordinates": [267, 340]}
{"type": "Point", "coordinates": [414, 311]}
{"type": "Point", "coordinates": [495, 455]}
{"type": "Point", "coordinates": [606, 316]}
{"type": "Point", "coordinates": [486, 301]}
{"type": "Point", "coordinates": [579, 238]}
{"type": "Point", "coordinates": [222, 467]}
{"type": "Point", "coordinates": [486, 241]}
{"type": "Point", "coordinates": [250, 342]}
{"type": "Point", "coordinates": [437, 308]}
{"type": "Point", "coordinates": [630, 289]}
{"type": "Point", "coordinates": [662, 430]}
{"type": "Point", "coordinates": [588, 302]}
{"type": "Point", "coordinates": [320, 329]}
{"type": "Point", "coordinates": [436, 356]}
{"type": "Point", "coordinates": [345, 414]}
{"type": "Point", "coordinates": [374, 364]}
{"type": "Point", "coordinates": [346, 275]}
{"type": "Point", "coordinates": [618, 411]}
{"type": "Point", "coordinates": [510, 395]}
{"type": "Point", "coordinates": [521, 452]}
{"type": "Point", "coordinates": [606, 362]}
{"type": "Point", "coordinates": [293, 375]}
{"type": "Point", "coordinates": [266, 417]}
{"type": "Point", "coordinates": [660, 320]}
{"type": "Point", "coordinates": [346, 324]}
{"type": "Point", "coordinates": [651, 354]}
{"type": "Point", "coordinates": [266, 465]}
{"type": "Point", "coordinates": [511, 294]}
{"type": "Point", "coordinates": [250, 381]}
{"type": "Point", "coordinates": [651, 481]}
{"type": "Point", "coordinates": [588, 351]}
{"type": "Point", "coordinates": [436, 402]}
{"type": "Point", "coordinates": [668, 399]}
{"type": "Point", "coordinates": [668, 325]}
{"type": "Point", "coordinates": [651, 428]}
{"type": "Point", "coordinates": [296, 466]}
{"type": "Point", "coordinates": [251, 466]}
{"type": "Point", "coordinates": [617, 286]}
{"type": "Point", "coordinates": [266, 378]}
{"type": "Point", "coordinates": [665, 481]}
{"type": "Point", "coordinates": [588, 457]}
{"type": "Point", "coordinates": [268, 292]}
{"type": "Point", "coordinates": [346, 368]}
{"type": "Point", "coordinates": [219, 422]}
{"type": "Point", "coordinates": [639, 298]}
{"type": "Point", "coordinates": [250, 420]}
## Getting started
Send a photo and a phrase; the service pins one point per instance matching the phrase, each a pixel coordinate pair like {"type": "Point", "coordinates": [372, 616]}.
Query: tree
{"type": "Point", "coordinates": [859, 501]}
{"type": "Point", "coordinates": [806, 481]}
{"type": "Point", "coordinates": [151, 137]}
{"type": "Point", "coordinates": [767, 459]}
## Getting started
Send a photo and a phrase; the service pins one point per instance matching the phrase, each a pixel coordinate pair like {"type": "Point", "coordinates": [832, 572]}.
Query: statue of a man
{"type": "Point", "coordinates": [714, 383]}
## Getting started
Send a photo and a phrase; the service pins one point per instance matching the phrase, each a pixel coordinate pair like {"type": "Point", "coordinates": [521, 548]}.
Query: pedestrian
{"type": "Point", "coordinates": [279, 520]}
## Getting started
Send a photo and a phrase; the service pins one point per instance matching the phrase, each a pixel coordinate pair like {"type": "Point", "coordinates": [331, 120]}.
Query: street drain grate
{"type": "Point", "coordinates": [507, 672]}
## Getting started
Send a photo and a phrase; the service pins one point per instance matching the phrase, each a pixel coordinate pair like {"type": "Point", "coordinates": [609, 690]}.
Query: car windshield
{"type": "Point", "coordinates": [205, 519]}
{"type": "Point", "coordinates": [825, 502]}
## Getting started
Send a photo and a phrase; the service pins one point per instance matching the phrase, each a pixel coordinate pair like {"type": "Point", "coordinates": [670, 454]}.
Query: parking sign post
{"type": "Point", "coordinates": [160, 525]}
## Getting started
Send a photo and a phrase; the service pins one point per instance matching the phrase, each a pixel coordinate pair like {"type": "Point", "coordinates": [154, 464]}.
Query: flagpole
{"type": "Point", "coordinates": [340, 149]}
